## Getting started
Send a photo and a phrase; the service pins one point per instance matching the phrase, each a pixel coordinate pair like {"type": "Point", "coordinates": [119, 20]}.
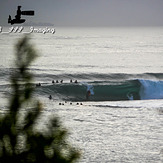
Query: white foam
{"type": "Point", "coordinates": [130, 96]}
{"type": "Point", "coordinates": [151, 89]}
{"type": "Point", "coordinates": [89, 87]}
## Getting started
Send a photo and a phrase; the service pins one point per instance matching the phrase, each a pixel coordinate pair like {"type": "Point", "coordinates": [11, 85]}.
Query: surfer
{"type": "Point", "coordinates": [50, 97]}
{"type": "Point", "coordinates": [76, 81]}
{"type": "Point", "coordinates": [38, 85]}
{"type": "Point", "coordinates": [88, 94]}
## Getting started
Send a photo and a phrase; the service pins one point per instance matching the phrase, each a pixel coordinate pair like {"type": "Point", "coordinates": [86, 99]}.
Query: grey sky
{"type": "Point", "coordinates": [88, 12]}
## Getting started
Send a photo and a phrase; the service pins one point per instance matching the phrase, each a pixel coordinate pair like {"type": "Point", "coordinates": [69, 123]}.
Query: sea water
{"type": "Point", "coordinates": [122, 119]}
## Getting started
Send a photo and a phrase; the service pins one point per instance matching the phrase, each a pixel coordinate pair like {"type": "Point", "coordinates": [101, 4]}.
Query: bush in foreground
{"type": "Point", "coordinates": [19, 141]}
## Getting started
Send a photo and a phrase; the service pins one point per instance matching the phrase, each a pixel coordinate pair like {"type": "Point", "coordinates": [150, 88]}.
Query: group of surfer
{"type": "Point", "coordinates": [39, 84]}
{"type": "Point", "coordinates": [71, 103]}
{"type": "Point", "coordinates": [62, 81]}
{"type": "Point", "coordinates": [50, 98]}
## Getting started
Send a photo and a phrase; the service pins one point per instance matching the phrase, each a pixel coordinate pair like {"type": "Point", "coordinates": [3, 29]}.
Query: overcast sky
{"type": "Point", "coordinates": [87, 12]}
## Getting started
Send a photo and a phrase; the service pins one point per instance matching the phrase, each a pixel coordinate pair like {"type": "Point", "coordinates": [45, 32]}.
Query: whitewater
{"type": "Point", "coordinates": [122, 119]}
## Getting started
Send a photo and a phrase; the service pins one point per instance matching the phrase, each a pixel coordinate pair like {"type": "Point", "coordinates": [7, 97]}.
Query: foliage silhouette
{"type": "Point", "coordinates": [19, 141]}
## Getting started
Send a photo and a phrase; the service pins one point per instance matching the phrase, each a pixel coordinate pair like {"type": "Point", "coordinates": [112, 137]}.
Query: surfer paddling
{"type": "Point", "coordinates": [38, 85]}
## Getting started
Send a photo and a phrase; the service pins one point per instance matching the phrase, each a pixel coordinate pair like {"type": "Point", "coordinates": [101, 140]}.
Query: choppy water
{"type": "Point", "coordinates": [122, 119]}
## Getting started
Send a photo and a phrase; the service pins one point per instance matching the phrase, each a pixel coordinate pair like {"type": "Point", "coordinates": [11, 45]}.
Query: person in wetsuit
{"type": "Point", "coordinates": [88, 94]}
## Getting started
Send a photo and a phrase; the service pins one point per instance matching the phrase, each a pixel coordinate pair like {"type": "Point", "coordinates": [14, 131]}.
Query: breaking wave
{"type": "Point", "coordinates": [138, 89]}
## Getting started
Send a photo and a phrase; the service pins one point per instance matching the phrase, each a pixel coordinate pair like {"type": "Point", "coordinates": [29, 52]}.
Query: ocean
{"type": "Point", "coordinates": [114, 110]}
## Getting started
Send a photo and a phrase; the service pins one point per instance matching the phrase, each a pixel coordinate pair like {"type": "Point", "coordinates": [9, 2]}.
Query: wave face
{"type": "Point", "coordinates": [138, 89]}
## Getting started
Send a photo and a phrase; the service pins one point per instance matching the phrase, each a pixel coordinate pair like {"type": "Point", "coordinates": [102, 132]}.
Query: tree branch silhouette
{"type": "Point", "coordinates": [19, 141]}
